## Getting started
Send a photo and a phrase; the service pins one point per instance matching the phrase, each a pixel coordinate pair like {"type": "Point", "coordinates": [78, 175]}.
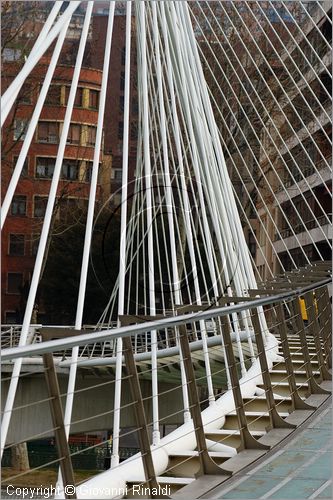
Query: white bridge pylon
{"type": "Point", "coordinates": [182, 240]}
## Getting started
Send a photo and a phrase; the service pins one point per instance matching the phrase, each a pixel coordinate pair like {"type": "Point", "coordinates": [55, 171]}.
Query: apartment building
{"type": "Point", "coordinates": [295, 212]}
{"type": "Point", "coordinates": [20, 236]}
{"type": "Point", "coordinates": [23, 225]}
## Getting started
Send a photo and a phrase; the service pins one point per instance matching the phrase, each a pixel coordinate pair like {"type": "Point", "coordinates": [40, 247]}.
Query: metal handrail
{"type": "Point", "coordinates": [101, 336]}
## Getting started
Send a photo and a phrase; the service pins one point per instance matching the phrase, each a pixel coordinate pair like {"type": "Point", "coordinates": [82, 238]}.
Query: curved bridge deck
{"type": "Point", "coordinates": [298, 468]}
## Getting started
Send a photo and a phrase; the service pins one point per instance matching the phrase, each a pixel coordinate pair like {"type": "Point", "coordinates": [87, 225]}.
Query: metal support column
{"type": "Point", "coordinates": [324, 309]}
{"type": "Point", "coordinates": [58, 424]}
{"type": "Point", "coordinates": [140, 416]}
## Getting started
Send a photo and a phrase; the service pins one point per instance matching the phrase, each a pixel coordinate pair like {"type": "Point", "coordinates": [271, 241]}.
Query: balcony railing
{"type": "Point", "coordinates": [301, 174]}
{"type": "Point", "coordinates": [300, 228]}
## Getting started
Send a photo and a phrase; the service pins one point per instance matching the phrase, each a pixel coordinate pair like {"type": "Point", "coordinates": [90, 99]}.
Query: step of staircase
{"type": "Point", "coordinates": [230, 437]}
{"type": "Point", "coordinates": [183, 465]}
{"type": "Point", "coordinates": [282, 388]}
{"type": "Point", "coordinates": [256, 420]}
{"type": "Point", "coordinates": [259, 403]}
{"type": "Point", "coordinates": [310, 343]}
{"type": "Point", "coordinates": [281, 375]}
{"type": "Point", "coordinates": [186, 463]}
{"type": "Point", "coordinates": [298, 355]}
{"type": "Point", "coordinates": [312, 348]}
{"type": "Point", "coordinates": [297, 341]}
{"type": "Point", "coordinates": [297, 364]}
{"type": "Point", "coordinates": [298, 347]}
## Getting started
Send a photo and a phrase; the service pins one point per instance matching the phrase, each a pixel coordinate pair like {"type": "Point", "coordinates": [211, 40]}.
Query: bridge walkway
{"type": "Point", "coordinates": [297, 469]}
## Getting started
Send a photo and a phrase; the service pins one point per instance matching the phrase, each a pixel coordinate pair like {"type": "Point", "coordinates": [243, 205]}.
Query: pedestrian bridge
{"type": "Point", "coordinates": [248, 413]}
{"type": "Point", "coordinates": [214, 344]}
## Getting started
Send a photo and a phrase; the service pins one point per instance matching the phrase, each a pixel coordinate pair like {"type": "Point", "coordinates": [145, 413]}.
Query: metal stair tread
{"type": "Point", "coordinates": [277, 383]}
{"type": "Point", "coordinates": [195, 453]}
{"type": "Point", "coordinates": [277, 397]}
{"type": "Point", "coordinates": [296, 361]}
{"type": "Point", "coordinates": [294, 349]}
{"type": "Point", "coordinates": [299, 372]}
{"type": "Point", "coordinates": [258, 413]}
{"type": "Point", "coordinates": [299, 353]}
{"type": "Point", "coordinates": [311, 343]}
{"type": "Point", "coordinates": [174, 480]}
{"type": "Point", "coordinates": [233, 432]}
{"type": "Point", "coordinates": [294, 341]}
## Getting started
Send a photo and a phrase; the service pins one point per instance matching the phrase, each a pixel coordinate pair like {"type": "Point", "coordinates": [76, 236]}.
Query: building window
{"type": "Point", "coordinates": [11, 317]}
{"type": "Point", "coordinates": [123, 56]}
{"type": "Point", "coordinates": [78, 97]}
{"type": "Point", "coordinates": [253, 244]}
{"type": "Point", "coordinates": [14, 282]}
{"type": "Point", "coordinates": [102, 11]}
{"type": "Point", "coordinates": [16, 244]}
{"type": "Point", "coordinates": [93, 99]}
{"type": "Point", "coordinates": [262, 232]}
{"type": "Point", "coordinates": [20, 128]}
{"type": "Point", "coordinates": [91, 136]}
{"type": "Point", "coordinates": [24, 171]}
{"type": "Point", "coordinates": [121, 103]}
{"type": "Point", "coordinates": [11, 54]}
{"type": "Point", "coordinates": [134, 131]}
{"type": "Point", "coordinates": [40, 206]}
{"type": "Point", "coordinates": [45, 167]}
{"type": "Point", "coordinates": [117, 174]}
{"type": "Point", "coordinates": [24, 96]}
{"type": "Point", "coordinates": [74, 134]}
{"type": "Point", "coordinates": [122, 80]}
{"type": "Point", "coordinates": [72, 209]}
{"type": "Point", "coordinates": [116, 199]}
{"type": "Point", "coordinates": [326, 30]}
{"type": "Point", "coordinates": [48, 132]}
{"type": "Point", "coordinates": [88, 171]}
{"type": "Point", "coordinates": [261, 271]}
{"type": "Point", "coordinates": [70, 170]}
{"type": "Point", "coordinates": [120, 130]}
{"type": "Point", "coordinates": [135, 106]}
{"type": "Point", "coordinates": [53, 97]}
{"type": "Point", "coordinates": [19, 205]}
{"type": "Point", "coordinates": [34, 244]}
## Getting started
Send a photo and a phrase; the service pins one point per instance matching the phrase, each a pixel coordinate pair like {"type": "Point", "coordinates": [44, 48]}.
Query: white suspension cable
{"type": "Point", "coordinates": [47, 36]}
{"type": "Point", "coordinates": [45, 232]}
{"type": "Point", "coordinates": [90, 215]}
{"type": "Point", "coordinates": [32, 125]}
{"type": "Point", "coordinates": [123, 224]}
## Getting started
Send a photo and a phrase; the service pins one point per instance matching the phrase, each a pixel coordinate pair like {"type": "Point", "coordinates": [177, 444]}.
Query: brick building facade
{"type": "Point", "coordinates": [20, 235]}
{"type": "Point", "coordinates": [21, 231]}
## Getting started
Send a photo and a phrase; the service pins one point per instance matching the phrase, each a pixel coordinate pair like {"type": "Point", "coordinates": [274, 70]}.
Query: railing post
{"type": "Point", "coordinates": [314, 329]}
{"type": "Point", "coordinates": [276, 421]}
{"type": "Point", "coordinates": [297, 401]}
{"type": "Point", "coordinates": [140, 416]}
{"type": "Point", "coordinates": [57, 415]}
{"type": "Point", "coordinates": [314, 387]}
{"type": "Point", "coordinates": [247, 440]}
{"type": "Point", "coordinates": [325, 318]}
{"type": "Point", "coordinates": [207, 465]}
